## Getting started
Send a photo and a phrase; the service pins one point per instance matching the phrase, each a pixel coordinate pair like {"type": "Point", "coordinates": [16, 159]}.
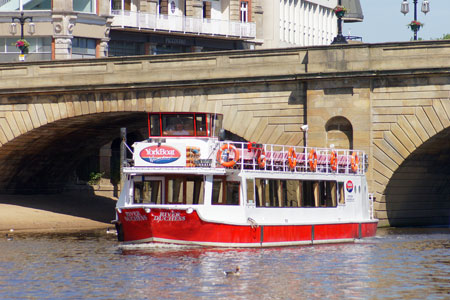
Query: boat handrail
{"type": "Point", "coordinates": [280, 158]}
{"type": "Point", "coordinates": [247, 156]}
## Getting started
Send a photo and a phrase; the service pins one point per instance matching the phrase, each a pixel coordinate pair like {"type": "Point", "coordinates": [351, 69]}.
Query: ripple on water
{"type": "Point", "coordinates": [394, 265]}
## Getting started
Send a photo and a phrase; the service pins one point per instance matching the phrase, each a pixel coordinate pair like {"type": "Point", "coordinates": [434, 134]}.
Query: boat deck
{"type": "Point", "coordinates": [269, 158]}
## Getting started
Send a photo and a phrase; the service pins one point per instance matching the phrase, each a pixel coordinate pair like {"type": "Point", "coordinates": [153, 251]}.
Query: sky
{"type": "Point", "coordinates": [383, 21]}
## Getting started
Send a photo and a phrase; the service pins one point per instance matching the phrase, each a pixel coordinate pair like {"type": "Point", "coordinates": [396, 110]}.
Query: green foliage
{"type": "Point", "coordinates": [444, 37]}
{"type": "Point", "coordinates": [94, 177]}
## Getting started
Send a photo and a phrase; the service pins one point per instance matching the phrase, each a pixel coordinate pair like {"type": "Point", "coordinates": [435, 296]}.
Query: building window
{"type": "Point", "coordinates": [40, 49]}
{"type": "Point", "coordinates": [163, 7]}
{"type": "Point", "coordinates": [83, 48]}
{"type": "Point", "coordinates": [86, 6]}
{"type": "Point", "coordinates": [13, 5]}
{"type": "Point", "coordinates": [126, 48]}
{"type": "Point", "coordinates": [206, 10]}
{"type": "Point", "coordinates": [117, 4]}
{"type": "Point", "coordinates": [37, 45]}
{"type": "Point", "coordinates": [244, 13]}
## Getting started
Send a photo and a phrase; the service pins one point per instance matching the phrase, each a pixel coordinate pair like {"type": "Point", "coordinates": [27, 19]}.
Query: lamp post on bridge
{"type": "Point", "coordinates": [415, 25]}
{"type": "Point", "coordinates": [339, 10]}
{"type": "Point", "coordinates": [22, 44]}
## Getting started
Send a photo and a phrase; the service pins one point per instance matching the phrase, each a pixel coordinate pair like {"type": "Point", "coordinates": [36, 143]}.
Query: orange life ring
{"type": "Point", "coordinates": [261, 158]}
{"type": "Point", "coordinates": [312, 160]}
{"type": "Point", "coordinates": [333, 161]}
{"type": "Point", "coordinates": [227, 148]}
{"type": "Point", "coordinates": [355, 162]}
{"type": "Point", "coordinates": [292, 158]}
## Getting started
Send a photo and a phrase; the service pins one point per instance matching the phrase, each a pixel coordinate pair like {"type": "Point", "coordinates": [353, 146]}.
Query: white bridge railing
{"type": "Point", "coordinates": [140, 20]}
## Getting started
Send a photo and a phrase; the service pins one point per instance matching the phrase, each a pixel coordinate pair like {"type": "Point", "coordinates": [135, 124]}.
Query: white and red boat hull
{"type": "Point", "coordinates": [177, 226]}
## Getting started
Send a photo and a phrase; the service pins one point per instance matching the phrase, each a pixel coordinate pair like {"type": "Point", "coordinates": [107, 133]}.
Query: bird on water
{"type": "Point", "coordinates": [236, 272]}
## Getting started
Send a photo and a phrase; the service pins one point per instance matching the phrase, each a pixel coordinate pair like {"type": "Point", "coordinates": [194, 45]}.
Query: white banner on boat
{"type": "Point", "coordinates": [162, 155]}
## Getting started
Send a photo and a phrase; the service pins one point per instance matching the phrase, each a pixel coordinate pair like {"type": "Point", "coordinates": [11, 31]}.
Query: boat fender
{"type": "Point", "coordinates": [354, 162]}
{"type": "Point", "coordinates": [312, 160]}
{"type": "Point", "coordinates": [223, 155]}
{"type": "Point", "coordinates": [333, 161]}
{"type": "Point", "coordinates": [292, 158]}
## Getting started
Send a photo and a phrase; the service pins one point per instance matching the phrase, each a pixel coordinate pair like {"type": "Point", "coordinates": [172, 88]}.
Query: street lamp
{"type": "Point", "coordinates": [339, 39]}
{"type": "Point", "coordinates": [305, 128]}
{"type": "Point", "coordinates": [22, 21]}
{"type": "Point", "coordinates": [405, 9]}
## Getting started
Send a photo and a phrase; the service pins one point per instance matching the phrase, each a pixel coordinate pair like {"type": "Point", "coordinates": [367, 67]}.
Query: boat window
{"type": "Point", "coordinates": [217, 192]}
{"type": "Point", "coordinates": [216, 124]}
{"type": "Point", "coordinates": [250, 191]}
{"type": "Point", "coordinates": [232, 194]}
{"type": "Point", "coordinates": [148, 191]}
{"type": "Point", "coordinates": [200, 123]}
{"type": "Point", "coordinates": [185, 190]}
{"type": "Point", "coordinates": [295, 193]}
{"type": "Point", "coordinates": [327, 193]}
{"type": "Point", "coordinates": [278, 193]}
{"type": "Point", "coordinates": [194, 191]}
{"type": "Point", "coordinates": [341, 193]}
{"type": "Point", "coordinates": [175, 191]}
{"type": "Point", "coordinates": [155, 129]}
{"type": "Point", "coordinates": [320, 194]}
{"type": "Point", "coordinates": [229, 197]}
{"type": "Point", "coordinates": [267, 192]}
{"type": "Point", "coordinates": [178, 124]}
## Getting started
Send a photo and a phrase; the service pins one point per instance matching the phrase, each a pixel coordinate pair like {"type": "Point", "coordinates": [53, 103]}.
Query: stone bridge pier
{"type": "Point", "coordinates": [390, 100]}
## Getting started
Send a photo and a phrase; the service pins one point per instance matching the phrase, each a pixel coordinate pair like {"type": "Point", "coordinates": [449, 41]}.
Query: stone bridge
{"type": "Point", "coordinates": [391, 100]}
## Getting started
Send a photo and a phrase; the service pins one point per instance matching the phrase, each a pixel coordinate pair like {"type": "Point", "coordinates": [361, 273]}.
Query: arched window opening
{"type": "Point", "coordinates": [339, 133]}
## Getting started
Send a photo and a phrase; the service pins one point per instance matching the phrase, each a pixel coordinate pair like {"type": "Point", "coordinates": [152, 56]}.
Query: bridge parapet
{"type": "Point", "coordinates": [225, 67]}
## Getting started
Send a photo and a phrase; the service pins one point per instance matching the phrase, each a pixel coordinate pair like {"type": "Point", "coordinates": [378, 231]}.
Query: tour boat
{"type": "Point", "coordinates": [188, 185]}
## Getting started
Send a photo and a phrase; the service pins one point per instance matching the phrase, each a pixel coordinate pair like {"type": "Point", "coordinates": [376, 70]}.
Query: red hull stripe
{"type": "Point", "coordinates": [179, 227]}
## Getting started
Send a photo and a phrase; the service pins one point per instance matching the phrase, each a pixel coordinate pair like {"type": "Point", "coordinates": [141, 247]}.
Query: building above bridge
{"type": "Point", "coordinates": [70, 29]}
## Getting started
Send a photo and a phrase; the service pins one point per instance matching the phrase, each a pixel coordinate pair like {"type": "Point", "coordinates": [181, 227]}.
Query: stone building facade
{"type": "Point", "coordinates": [67, 29]}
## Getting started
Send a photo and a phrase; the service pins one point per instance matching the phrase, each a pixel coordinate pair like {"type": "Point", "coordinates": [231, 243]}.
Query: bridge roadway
{"type": "Point", "coordinates": [391, 100]}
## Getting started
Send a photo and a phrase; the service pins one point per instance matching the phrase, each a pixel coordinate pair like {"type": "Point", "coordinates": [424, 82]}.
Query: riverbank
{"type": "Point", "coordinates": [56, 213]}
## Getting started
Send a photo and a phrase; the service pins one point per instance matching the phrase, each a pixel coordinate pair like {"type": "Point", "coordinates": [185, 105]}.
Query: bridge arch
{"type": "Point", "coordinates": [411, 169]}
{"type": "Point", "coordinates": [43, 140]}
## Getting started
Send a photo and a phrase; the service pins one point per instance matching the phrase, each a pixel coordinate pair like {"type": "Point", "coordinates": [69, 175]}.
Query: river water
{"type": "Point", "coordinates": [396, 264]}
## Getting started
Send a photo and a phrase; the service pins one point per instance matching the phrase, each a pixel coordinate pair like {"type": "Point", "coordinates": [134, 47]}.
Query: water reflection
{"type": "Point", "coordinates": [393, 265]}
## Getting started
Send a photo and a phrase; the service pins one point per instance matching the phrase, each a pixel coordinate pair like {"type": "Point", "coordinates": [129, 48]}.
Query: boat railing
{"type": "Point", "coordinates": [278, 158]}
{"type": "Point", "coordinates": [282, 158]}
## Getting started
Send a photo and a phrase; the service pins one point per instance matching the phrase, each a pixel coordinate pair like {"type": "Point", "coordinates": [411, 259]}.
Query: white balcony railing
{"type": "Point", "coordinates": [124, 18]}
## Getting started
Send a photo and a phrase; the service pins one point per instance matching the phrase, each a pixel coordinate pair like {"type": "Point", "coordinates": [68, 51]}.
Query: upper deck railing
{"type": "Point", "coordinates": [246, 156]}
{"type": "Point", "coordinates": [140, 20]}
{"type": "Point", "coordinates": [282, 158]}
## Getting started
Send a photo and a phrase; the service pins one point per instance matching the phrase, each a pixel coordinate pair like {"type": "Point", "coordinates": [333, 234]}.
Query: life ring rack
{"type": "Point", "coordinates": [221, 157]}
